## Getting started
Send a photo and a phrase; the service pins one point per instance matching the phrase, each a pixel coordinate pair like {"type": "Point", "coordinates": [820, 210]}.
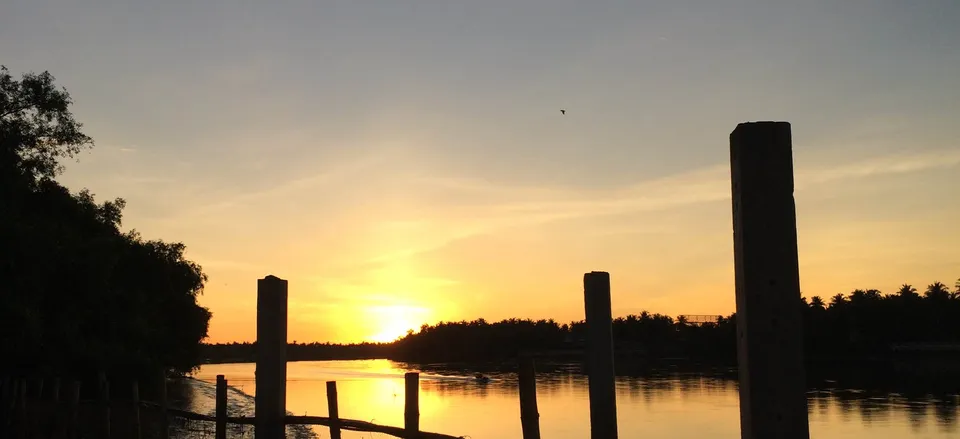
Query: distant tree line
{"type": "Point", "coordinates": [246, 352]}
{"type": "Point", "coordinates": [861, 324]}
{"type": "Point", "coordinates": [77, 294]}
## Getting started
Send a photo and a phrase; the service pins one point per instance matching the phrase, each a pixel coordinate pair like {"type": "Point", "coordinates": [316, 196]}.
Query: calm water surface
{"type": "Point", "coordinates": [674, 406]}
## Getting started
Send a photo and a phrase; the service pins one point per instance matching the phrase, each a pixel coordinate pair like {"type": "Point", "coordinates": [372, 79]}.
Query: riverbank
{"type": "Point", "coordinates": [199, 396]}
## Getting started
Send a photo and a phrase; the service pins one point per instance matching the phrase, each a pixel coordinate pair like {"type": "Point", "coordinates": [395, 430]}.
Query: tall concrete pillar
{"type": "Point", "coordinates": [769, 334]}
{"type": "Point", "coordinates": [599, 361]}
{"type": "Point", "coordinates": [271, 374]}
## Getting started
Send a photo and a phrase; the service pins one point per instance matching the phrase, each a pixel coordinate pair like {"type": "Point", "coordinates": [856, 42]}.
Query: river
{"type": "Point", "coordinates": [664, 405]}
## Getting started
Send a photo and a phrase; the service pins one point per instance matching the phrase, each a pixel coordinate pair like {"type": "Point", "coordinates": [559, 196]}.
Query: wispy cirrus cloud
{"type": "Point", "coordinates": [526, 206]}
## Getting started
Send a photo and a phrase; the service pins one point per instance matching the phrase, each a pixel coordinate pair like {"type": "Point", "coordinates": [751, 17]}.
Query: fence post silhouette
{"type": "Point", "coordinates": [529, 415]}
{"type": "Point", "coordinates": [73, 411]}
{"type": "Point", "coordinates": [55, 391]}
{"type": "Point", "coordinates": [164, 406]}
{"type": "Point", "coordinates": [36, 410]}
{"type": "Point", "coordinates": [22, 410]}
{"type": "Point", "coordinates": [105, 401]}
{"type": "Point", "coordinates": [333, 411]}
{"type": "Point", "coordinates": [4, 395]}
{"type": "Point", "coordinates": [600, 368]}
{"type": "Point", "coordinates": [769, 334]}
{"type": "Point", "coordinates": [411, 406]}
{"type": "Point", "coordinates": [58, 412]}
{"type": "Point", "coordinates": [221, 432]}
{"type": "Point", "coordinates": [10, 390]}
{"type": "Point", "coordinates": [271, 373]}
{"type": "Point", "coordinates": [136, 408]}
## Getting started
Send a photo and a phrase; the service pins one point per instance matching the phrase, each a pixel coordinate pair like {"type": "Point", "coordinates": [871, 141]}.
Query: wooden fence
{"type": "Point", "coordinates": [31, 410]}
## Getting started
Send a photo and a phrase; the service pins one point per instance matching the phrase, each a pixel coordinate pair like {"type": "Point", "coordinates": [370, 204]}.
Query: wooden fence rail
{"type": "Point", "coordinates": [25, 413]}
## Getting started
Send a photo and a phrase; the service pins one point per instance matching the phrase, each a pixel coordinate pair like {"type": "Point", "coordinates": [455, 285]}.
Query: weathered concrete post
{"type": "Point", "coordinates": [600, 374]}
{"type": "Point", "coordinates": [271, 374]}
{"type": "Point", "coordinates": [769, 335]}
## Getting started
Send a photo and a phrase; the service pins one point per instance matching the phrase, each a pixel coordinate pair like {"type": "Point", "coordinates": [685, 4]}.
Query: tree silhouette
{"type": "Point", "coordinates": [937, 291]}
{"type": "Point", "coordinates": [838, 301]}
{"type": "Point", "coordinates": [816, 302]}
{"type": "Point", "coordinates": [79, 294]}
{"type": "Point", "coordinates": [862, 324]}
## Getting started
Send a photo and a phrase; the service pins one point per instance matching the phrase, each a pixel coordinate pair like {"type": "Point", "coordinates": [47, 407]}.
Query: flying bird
{"type": "Point", "coordinates": [563, 111]}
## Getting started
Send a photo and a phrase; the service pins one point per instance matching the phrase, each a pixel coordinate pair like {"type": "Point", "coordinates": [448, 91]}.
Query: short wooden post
{"type": "Point", "coordinates": [529, 415]}
{"type": "Point", "coordinates": [105, 402]}
{"type": "Point", "coordinates": [773, 400]}
{"type": "Point", "coordinates": [271, 373]}
{"type": "Point", "coordinates": [22, 410]}
{"type": "Point", "coordinates": [333, 412]}
{"type": "Point", "coordinates": [37, 410]}
{"type": "Point", "coordinates": [5, 401]}
{"type": "Point", "coordinates": [57, 420]}
{"type": "Point", "coordinates": [411, 406]}
{"type": "Point", "coordinates": [10, 406]}
{"type": "Point", "coordinates": [136, 409]}
{"type": "Point", "coordinates": [39, 390]}
{"type": "Point", "coordinates": [221, 431]}
{"type": "Point", "coordinates": [600, 372]}
{"type": "Point", "coordinates": [164, 406]}
{"type": "Point", "coordinates": [73, 426]}
{"type": "Point", "coordinates": [55, 391]}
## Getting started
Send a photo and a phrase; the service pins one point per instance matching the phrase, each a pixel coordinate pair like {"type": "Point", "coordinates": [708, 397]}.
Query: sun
{"type": "Point", "coordinates": [393, 321]}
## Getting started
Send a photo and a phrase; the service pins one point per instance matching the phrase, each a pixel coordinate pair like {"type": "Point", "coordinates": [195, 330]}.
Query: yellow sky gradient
{"type": "Point", "coordinates": [666, 242]}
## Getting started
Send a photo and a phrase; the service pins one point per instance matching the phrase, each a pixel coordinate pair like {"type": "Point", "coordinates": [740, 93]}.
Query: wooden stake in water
{"type": "Point", "coordinates": [22, 412]}
{"type": "Point", "coordinates": [36, 410]}
{"type": "Point", "coordinates": [105, 401]}
{"type": "Point", "coordinates": [136, 408]}
{"type": "Point", "coordinates": [411, 406]}
{"type": "Point", "coordinates": [529, 416]}
{"type": "Point", "coordinates": [4, 397]}
{"type": "Point", "coordinates": [221, 407]}
{"type": "Point", "coordinates": [55, 390]}
{"type": "Point", "coordinates": [333, 412]}
{"type": "Point", "coordinates": [72, 417]}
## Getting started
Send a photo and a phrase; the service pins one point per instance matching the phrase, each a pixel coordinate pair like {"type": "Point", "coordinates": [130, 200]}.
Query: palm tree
{"type": "Point", "coordinates": [907, 291]}
{"type": "Point", "coordinates": [816, 302]}
{"type": "Point", "coordinates": [838, 300]}
{"type": "Point", "coordinates": [873, 295]}
{"type": "Point", "coordinates": [937, 291]}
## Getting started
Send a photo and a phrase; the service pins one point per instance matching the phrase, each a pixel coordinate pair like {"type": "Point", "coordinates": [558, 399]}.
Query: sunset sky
{"type": "Point", "coordinates": [403, 162]}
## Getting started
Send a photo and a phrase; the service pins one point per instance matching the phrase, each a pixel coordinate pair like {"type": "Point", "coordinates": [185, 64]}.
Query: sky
{"type": "Point", "coordinates": [406, 162]}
